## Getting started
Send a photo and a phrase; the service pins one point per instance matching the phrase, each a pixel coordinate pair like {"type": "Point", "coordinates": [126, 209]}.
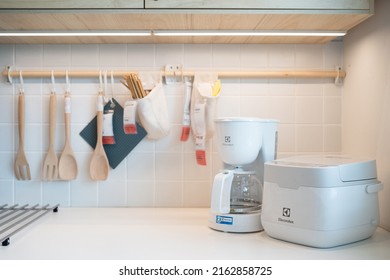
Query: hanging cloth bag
{"type": "Point", "coordinates": [152, 113]}
{"type": "Point", "coordinates": [205, 93]}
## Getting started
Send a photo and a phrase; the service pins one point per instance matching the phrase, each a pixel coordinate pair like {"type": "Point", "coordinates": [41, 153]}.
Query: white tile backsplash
{"type": "Point", "coordinates": [169, 194]}
{"type": "Point", "coordinates": [333, 55]}
{"type": "Point", "coordinates": [112, 56]}
{"type": "Point", "coordinates": [51, 58]}
{"type": "Point", "coordinates": [7, 55]}
{"type": "Point", "coordinates": [6, 191]}
{"type": "Point", "coordinates": [162, 173]}
{"type": "Point", "coordinates": [332, 110]}
{"type": "Point", "coordinates": [309, 138]}
{"type": "Point", "coordinates": [332, 138]}
{"type": "Point", "coordinates": [282, 56]}
{"type": "Point", "coordinates": [85, 56]}
{"type": "Point", "coordinates": [226, 57]}
{"type": "Point", "coordinates": [309, 110]}
{"type": "Point", "coordinates": [29, 56]}
{"type": "Point", "coordinates": [7, 141]}
{"type": "Point", "coordinates": [112, 193]}
{"type": "Point", "coordinates": [169, 54]}
{"type": "Point", "coordinates": [141, 56]}
{"type": "Point", "coordinates": [197, 56]}
{"type": "Point", "coordinates": [309, 56]}
{"type": "Point", "coordinates": [254, 56]}
{"type": "Point", "coordinates": [141, 193]}
{"type": "Point", "coordinates": [6, 169]}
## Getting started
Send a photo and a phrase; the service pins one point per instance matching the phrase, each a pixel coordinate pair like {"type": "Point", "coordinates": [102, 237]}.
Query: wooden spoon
{"type": "Point", "coordinates": [67, 166]}
{"type": "Point", "coordinates": [99, 167]}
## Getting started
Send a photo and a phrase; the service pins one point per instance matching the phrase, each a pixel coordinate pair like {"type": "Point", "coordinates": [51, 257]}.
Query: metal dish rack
{"type": "Point", "coordinates": [15, 218]}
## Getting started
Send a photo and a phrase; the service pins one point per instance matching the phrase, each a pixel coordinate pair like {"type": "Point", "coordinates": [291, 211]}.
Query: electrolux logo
{"type": "Point", "coordinates": [224, 220]}
{"type": "Point", "coordinates": [286, 212]}
{"type": "Point", "coordinates": [228, 141]}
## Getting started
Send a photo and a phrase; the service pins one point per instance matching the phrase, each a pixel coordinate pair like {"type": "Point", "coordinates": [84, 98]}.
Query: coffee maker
{"type": "Point", "coordinates": [244, 145]}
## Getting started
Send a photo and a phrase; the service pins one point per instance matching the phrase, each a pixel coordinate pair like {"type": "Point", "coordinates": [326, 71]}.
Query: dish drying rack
{"type": "Point", "coordinates": [15, 218]}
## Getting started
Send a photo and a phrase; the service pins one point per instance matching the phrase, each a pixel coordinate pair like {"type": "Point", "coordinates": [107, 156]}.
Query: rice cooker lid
{"type": "Point", "coordinates": [349, 168]}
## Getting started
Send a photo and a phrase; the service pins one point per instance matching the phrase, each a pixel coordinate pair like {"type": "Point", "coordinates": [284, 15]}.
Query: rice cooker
{"type": "Point", "coordinates": [320, 201]}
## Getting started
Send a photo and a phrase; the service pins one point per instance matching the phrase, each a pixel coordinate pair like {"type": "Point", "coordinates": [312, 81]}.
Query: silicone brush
{"type": "Point", "coordinates": [200, 133]}
{"type": "Point", "coordinates": [185, 132]}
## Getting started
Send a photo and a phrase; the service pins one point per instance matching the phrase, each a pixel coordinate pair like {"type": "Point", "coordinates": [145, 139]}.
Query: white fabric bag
{"type": "Point", "coordinates": [152, 113]}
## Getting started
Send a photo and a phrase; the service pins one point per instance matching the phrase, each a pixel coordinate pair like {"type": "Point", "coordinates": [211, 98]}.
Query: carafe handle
{"type": "Point", "coordinates": [220, 196]}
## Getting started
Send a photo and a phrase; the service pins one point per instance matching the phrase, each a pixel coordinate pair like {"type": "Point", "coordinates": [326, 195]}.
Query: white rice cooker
{"type": "Point", "coordinates": [320, 201]}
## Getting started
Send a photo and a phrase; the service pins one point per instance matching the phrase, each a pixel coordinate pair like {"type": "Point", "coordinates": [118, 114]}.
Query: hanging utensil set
{"type": "Point", "coordinates": [53, 168]}
{"type": "Point", "coordinates": [65, 167]}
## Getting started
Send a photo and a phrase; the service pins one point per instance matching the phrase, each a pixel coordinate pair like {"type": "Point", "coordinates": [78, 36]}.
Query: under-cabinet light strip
{"type": "Point", "coordinates": [248, 33]}
{"type": "Point", "coordinates": [130, 33]}
{"type": "Point", "coordinates": [81, 33]}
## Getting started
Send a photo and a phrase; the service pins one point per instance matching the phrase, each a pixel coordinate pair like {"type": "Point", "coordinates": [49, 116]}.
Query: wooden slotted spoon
{"type": "Point", "coordinates": [21, 168]}
{"type": "Point", "coordinates": [99, 167]}
{"type": "Point", "coordinates": [50, 165]}
{"type": "Point", "coordinates": [67, 166]}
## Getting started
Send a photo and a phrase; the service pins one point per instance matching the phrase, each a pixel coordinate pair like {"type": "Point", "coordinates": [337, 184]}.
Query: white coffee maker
{"type": "Point", "coordinates": [244, 144]}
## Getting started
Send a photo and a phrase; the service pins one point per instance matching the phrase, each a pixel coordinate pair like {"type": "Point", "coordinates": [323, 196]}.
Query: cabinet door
{"type": "Point", "coordinates": [71, 4]}
{"type": "Point", "coordinates": [260, 4]}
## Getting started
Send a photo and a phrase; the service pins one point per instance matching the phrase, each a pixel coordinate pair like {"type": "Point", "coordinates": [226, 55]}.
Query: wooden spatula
{"type": "Point", "coordinates": [67, 166]}
{"type": "Point", "coordinates": [99, 166]}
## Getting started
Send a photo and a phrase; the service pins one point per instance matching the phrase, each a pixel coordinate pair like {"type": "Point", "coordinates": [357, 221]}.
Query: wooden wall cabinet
{"type": "Point", "coordinates": [260, 4]}
{"type": "Point", "coordinates": [71, 4]}
{"type": "Point", "coordinates": [337, 15]}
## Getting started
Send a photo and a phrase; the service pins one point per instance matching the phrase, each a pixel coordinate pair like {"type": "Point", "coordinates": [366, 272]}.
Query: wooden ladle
{"type": "Point", "coordinates": [67, 166]}
{"type": "Point", "coordinates": [99, 167]}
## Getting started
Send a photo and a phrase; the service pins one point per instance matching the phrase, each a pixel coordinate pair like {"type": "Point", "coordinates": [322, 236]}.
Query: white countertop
{"type": "Point", "coordinates": [163, 233]}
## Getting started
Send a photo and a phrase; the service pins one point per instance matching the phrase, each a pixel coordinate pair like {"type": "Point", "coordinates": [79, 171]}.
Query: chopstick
{"type": "Point", "coordinates": [134, 84]}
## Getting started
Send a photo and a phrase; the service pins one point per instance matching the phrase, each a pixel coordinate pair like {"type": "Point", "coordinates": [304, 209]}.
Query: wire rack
{"type": "Point", "coordinates": [15, 218]}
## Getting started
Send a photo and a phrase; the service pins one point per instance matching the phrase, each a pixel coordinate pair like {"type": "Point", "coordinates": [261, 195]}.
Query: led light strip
{"type": "Point", "coordinates": [81, 33]}
{"type": "Point", "coordinates": [126, 33]}
{"type": "Point", "coordinates": [248, 33]}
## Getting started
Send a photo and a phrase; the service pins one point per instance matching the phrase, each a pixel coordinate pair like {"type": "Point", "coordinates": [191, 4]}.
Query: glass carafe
{"type": "Point", "coordinates": [246, 193]}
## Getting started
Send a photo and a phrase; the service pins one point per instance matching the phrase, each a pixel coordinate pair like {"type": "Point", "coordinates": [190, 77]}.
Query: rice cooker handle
{"type": "Point", "coordinates": [220, 196]}
{"type": "Point", "coordinates": [374, 188]}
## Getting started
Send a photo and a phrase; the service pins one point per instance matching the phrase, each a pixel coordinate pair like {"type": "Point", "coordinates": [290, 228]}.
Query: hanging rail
{"type": "Point", "coordinates": [338, 73]}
